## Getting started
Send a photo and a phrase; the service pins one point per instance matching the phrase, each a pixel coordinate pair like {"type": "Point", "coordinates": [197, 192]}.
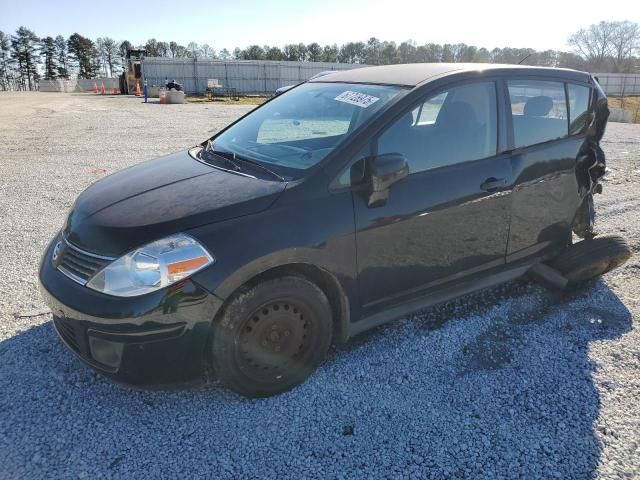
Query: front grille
{"type": "Point", "coordinates": [73, 337]}
{"type": "Point", "coordinates": [79, 265]}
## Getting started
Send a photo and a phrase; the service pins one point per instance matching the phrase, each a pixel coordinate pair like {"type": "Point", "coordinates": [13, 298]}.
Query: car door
{"type": "Point", "coordinates": [450, 216]}
{"type": "Point", "coordinates": [547, 143]}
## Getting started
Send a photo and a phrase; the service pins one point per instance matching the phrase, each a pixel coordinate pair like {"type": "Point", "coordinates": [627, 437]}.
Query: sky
{"type": "Point", "coordinates": [539, 24]}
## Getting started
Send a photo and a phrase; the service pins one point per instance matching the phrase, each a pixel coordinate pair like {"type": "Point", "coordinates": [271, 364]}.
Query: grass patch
{"type": "Point", "coordinates": [239, 101]}
{"type": "Point", "coordinates": [631, 104]}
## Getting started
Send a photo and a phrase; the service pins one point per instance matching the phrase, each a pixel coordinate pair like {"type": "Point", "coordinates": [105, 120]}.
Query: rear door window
{"type": "Point", "coordinates": [579, 96]}
{"type": "Point", "coordinates": [539, 111]}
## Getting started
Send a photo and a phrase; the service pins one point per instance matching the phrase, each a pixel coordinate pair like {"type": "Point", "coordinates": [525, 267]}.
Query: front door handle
{"type": "Point", "coordinates": [492, 184]}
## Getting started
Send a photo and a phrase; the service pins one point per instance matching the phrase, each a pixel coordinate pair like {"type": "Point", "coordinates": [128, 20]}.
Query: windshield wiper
{"type": "Point", "coordinates": [231, 158]}
{"type": "Point", "coordinates": [228, 157]}
{"type": "Point", "coordinates": [260, 166]}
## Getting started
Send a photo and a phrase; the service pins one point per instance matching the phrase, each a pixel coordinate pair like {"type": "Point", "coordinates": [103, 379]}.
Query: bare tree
{"type": "Point", "coordinates": [295, 52]}
{"type": "Point", "coordinates": [607, 45]}
{"type": "Point", "coordinates": [163, 49]}
{"type": "Point", "coordinates": [625, 42]}
{"type": "Point", "coordinates": [570, 60]}
{"type": "Point", "coordinates": [110, 54]}
{"type": "Point", "coordinates": [207, 51]}
{"type": "Point", "coordinates": [125, 46]}
{"type": "Point", "coordinates": [173, 49]}
{"type": "Point", "coordinates": [152, 48]}
{"type": "Point", "coordinates": [314, 52]}
{"type": "Point", "coordinates": [406, 51]}
{"type": "Point", "coordinates": [194, 50]}
{"type": "Point", "coordinates": [252, 52]}
{"type": "Point", "coordinates": [176, 50]}
{"type": "Point", "coordinates": [594, 43]}
{"type": "Point", "coordinates": [273, 53]}
{"type": "Point", "coordinates": [101, 55]}
{"type": "Point", "coordinates": [182, 52]}
{"type": "Point", "coordinates": [388, 52]}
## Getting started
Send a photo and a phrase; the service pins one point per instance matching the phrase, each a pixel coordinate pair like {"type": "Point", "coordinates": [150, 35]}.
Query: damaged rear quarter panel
{"type": "Point", "coordinates": [554, 184]}
{"type": "Point", "coordinates": [591, 164]}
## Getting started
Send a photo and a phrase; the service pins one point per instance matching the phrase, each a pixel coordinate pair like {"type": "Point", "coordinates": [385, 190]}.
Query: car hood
{"type": "Point", "coordinates": [160, 197]}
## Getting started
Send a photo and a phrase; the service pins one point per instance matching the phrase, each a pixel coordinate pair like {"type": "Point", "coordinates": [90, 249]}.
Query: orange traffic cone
{"type": "Point", "coordinates": [138, 89]}
{"type": "Point", "coordinates": [95, 87]}
{"type": "Point", "coordinates": [102, 89]}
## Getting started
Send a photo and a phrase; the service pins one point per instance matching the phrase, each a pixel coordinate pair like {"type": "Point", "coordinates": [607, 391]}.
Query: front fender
{"type": "Point", "coordinates": [317, 232]}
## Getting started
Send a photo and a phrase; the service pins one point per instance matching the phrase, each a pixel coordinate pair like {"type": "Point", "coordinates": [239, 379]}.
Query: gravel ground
{"type": "Point", "coordinates": [513, 382]}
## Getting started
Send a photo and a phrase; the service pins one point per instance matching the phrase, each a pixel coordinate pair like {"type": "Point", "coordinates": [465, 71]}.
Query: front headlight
{"type": "Point", "coordinates": [154, 266]}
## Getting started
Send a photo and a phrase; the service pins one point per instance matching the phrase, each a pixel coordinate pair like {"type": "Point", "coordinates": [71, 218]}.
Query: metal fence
{"type": "Point", "coordinates": [622, 84]}
{"type": "Point", "coordinates": [263, 77]}
{"type": "Point", "coordinates": [247, 77]}
{"type": "Point", "coordinates": [259, 77]}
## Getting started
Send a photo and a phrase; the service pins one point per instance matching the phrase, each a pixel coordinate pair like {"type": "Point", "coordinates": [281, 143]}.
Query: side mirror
{"type": "Point", "coordinates": [383, 171]}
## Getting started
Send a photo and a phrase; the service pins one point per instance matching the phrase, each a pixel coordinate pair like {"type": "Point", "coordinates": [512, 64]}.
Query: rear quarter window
{"type": "Point", "coordinates": [539, 111]}
{"type": "Point", "coordinates": [579, 96]}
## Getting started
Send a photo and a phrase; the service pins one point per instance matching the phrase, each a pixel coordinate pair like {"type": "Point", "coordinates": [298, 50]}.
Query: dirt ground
{"type": "Point", "coordinates": [568, 369]}
{"type": "Point", "coordinates": [631, 104]}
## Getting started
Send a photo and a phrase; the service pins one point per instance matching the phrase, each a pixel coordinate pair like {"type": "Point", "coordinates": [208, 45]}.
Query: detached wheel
{"type": "Point", "coordinates": [272, 337]}
{"type": "Point", "coordinates": [590, 258]}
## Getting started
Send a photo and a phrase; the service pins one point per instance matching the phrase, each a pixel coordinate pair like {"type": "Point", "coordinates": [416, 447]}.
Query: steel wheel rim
{"type": "Point", "coordinates": [274, 341]}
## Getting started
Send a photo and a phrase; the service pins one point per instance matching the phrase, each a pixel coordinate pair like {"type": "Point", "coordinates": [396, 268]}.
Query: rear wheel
{"type": "Point", "coordinates": [272, 337]}
{"type": "Point", "coordinates": [590, 258]}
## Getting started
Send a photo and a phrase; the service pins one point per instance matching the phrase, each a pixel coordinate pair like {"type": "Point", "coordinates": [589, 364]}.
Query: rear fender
{"type": "Point", "coordinates": [591, 164]}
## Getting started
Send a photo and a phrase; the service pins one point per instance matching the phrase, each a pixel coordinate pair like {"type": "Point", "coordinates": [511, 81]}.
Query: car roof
{"type": "Point", "coordinates": [413, 74]}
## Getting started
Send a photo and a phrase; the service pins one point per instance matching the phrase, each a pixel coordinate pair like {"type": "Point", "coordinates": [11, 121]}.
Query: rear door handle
{"type": "Point", "coordinates": [492, 184]}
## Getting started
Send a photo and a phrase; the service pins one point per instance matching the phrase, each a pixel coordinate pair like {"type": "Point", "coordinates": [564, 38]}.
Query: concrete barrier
{"type": "Point", "coordinates": [86, 84]}
{"type": "Point", "coordinates": [620, 115]}
{"type": "Point", "coordinates": [57, 85]}
{"type": "Point", "coordinates": [153, 91]}
{"type": "Point", "coordinates": [174, 96]}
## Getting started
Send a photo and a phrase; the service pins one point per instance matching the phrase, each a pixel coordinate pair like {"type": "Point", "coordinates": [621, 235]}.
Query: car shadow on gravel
{"type": "Point", "coordinates": [512, 377]}
{"type": "Point", "coordinates": [497, 384]}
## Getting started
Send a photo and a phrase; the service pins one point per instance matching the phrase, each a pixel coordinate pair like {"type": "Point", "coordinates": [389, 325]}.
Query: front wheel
{"type": "Point", "coordinates": [592, 257]}
{"type": "Point", "coordinates": [272, 337]}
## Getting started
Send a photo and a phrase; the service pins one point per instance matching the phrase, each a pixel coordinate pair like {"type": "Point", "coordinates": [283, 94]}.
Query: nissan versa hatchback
{"type": "Point", "coordinates": [345, 202]}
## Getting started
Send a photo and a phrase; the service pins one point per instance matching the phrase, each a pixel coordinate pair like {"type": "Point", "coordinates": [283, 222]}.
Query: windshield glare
{"type": "Point", "coordinates": [302, 126]}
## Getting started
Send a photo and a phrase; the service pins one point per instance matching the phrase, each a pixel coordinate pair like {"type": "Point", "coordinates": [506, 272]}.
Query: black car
{"type": "Point", "coordinates": [345, 202]}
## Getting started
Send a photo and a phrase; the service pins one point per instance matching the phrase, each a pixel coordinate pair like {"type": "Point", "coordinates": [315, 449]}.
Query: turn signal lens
{"type": "Point", "coordinates": [182, 268]}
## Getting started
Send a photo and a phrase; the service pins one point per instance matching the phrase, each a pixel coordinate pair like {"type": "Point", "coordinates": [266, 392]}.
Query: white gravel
{"type": "Point", "coordinates": [514, 382]}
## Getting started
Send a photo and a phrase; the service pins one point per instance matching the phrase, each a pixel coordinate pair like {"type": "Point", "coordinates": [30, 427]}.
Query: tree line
{"type": "Point", "coordinates": [25, 58]}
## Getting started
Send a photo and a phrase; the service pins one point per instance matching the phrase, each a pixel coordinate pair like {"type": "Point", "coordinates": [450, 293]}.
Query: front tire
{"type": "Point", "coordinates": [272, 337]}
{"type": "Point", "coordinates": [591, 258]}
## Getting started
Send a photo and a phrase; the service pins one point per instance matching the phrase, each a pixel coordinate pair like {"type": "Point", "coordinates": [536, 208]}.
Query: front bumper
{"type": "Point", "coordinates": [154, 339]}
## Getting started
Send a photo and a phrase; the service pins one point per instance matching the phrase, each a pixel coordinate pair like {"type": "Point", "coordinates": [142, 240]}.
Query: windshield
{"type": "Point", "coordinates": [301, 127]}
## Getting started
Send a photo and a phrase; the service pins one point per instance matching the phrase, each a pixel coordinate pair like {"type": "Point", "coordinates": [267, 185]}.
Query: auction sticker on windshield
{"type": "Point", "coordinates": [355, 98]}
